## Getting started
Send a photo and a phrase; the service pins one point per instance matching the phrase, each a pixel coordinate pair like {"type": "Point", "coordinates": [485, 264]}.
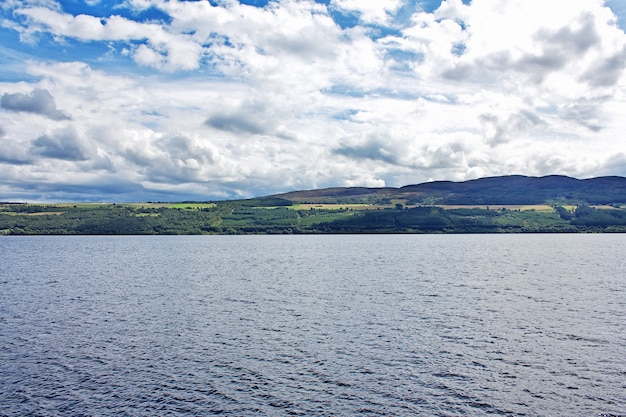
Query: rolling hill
{"type": "Point", "coordinates": [512, 189]}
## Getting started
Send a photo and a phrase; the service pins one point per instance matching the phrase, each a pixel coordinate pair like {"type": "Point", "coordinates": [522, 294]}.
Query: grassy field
{"type": "Point", "coordinates": [84, 206]}
{"type": "Point", "coordinates": [326, 206]}
{"type": "Point", "coordinates": [535, 207]}
{"type": "Point", "coordinates": [185, 206]}
{"type": "Point", "coordinates": [331, 206]}
{"type": "Point", "coordinates": [40, 213]}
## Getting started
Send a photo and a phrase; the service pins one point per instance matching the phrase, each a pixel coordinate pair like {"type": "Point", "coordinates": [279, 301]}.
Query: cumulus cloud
{"type": "Point", "coordinates": [13, 152]}
{"type": "Point", "coordinates": [227, 99]}
{"type": "Point", "coordinates": [380, 13]}
{"type": "Point", "coordinates": [584, 113]}
{"type": "Point", "coordinates": [173, 158]}
{"type": "Point", "coordinates": [66, 143]}
{"type": "Point", "coordinates": [607, 72]}
{"type": "Point", "coordinates": [372, 148]}
{"type": "Point", "coordinates": [162, 49]}
{"type": "Point", "coordinates": [499, 131]}
{"type": "Point", "coordinates": [39, 101]}
{"type": "Point", "coordinates": [502, 44]}
{"type": "Point", "coordinates": [253, 116]}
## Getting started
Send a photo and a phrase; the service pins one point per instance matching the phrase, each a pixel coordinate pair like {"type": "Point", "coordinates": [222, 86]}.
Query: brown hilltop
{"type": "Point", "coordinates": [511, 189]}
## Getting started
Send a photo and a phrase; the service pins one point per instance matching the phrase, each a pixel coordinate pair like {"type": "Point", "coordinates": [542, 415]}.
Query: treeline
{"type": "Point", "coordinates": [274, 216]}
{"type": "Point", "coordinates": [586, 216]}
{"type": "Point", "coordinates": [107, 220]}
{"type": "Point", "coordinates": [438, 220]}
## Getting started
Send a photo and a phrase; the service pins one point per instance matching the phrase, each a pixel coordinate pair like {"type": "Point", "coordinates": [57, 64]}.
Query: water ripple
{"type": "Point", "coordinates": [313, 325]}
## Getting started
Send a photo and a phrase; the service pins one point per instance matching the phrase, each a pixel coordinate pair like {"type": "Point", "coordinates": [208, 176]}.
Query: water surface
{"type": "Point", "coordinates": [433, 325]}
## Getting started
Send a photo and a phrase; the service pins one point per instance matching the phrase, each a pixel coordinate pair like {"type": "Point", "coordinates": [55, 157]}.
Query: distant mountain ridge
{"type": "Point", "coordinates": [510, 189]}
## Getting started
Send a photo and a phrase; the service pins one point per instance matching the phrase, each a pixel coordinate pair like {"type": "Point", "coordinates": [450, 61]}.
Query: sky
{"type": "Point", "coordinates": [169, 100]}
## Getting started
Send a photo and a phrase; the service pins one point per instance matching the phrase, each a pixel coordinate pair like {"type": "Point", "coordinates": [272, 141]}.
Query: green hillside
{"type": "Point", "coordinates": [512, 204]}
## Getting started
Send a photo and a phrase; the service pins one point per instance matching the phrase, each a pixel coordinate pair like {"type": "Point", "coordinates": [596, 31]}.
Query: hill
{"type": "Point", "coordinates": [504, 190]}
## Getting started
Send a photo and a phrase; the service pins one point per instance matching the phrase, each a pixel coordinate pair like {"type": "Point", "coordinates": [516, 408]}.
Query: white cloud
{"type": "Point", "coordinates": [258, 100]}
{"type": "Point", "coordinates": [163, 50]}
{"type": "Point", "coordinates": [16, 4]}
{"type": "Point", "coordinates": [370, 12]}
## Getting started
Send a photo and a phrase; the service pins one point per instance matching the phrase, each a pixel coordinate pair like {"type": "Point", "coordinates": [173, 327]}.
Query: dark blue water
{"type": "Point", "coordinates": [449, 325]}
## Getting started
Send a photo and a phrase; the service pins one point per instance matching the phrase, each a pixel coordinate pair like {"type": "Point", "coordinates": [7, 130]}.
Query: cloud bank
{"type": "Point", "coordinates": [170, 100]}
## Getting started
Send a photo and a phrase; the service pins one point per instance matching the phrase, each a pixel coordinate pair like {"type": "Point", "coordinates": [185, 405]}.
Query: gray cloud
{"type": "Point", "coordinates": [373, 149]}
{"type": "Point", "coordinates": [552, 58]}
{"type": "Point", "coordinates": [498, 131]}
{"type": "Point", "coordinates": [185, 156]}
{"type": "Point", "coordinates": [458, 72]}
{"type": "Point", "coordinates": [558, 48]}
{"type": "Point", "coordinates": [172, 158]}
{"type": "Point", "coordinates": [254, 117]}
{"type": "Point", "coordinates": [258, 116]}
{"type": "Point", "coordinates": [235, 123]}
{"type": "Point", "coordinates": [12, 152]}
{"type": "Point", "coordinates": [554, 50]}
{"type": "Point", "coordinates": [576, 41]}
{"type": "Point", "coordinates": [3, 132]}
{"type": "Point", "coordinates": [65, 144]}
{"type": "Point", "coordinates": [100, 189]}
{"type": "Point", "coordinates": [608, 72]}
{"type": "Point", "coordinates": [179, 146]}
{"type": "Point", "coordinates": [585, 113]}
{"type": "Point", "coordinates": [615, 165]}
{"type": "Point", "coordinates": [449, 156]}
{"type": "Point", "coordinates": [39, 101]}
{"type": "Point", "coordinates": [547, 162]}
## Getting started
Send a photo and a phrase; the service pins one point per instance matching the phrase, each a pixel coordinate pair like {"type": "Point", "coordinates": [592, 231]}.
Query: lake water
{"type": "Point", "coordinates": [433, 325]}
